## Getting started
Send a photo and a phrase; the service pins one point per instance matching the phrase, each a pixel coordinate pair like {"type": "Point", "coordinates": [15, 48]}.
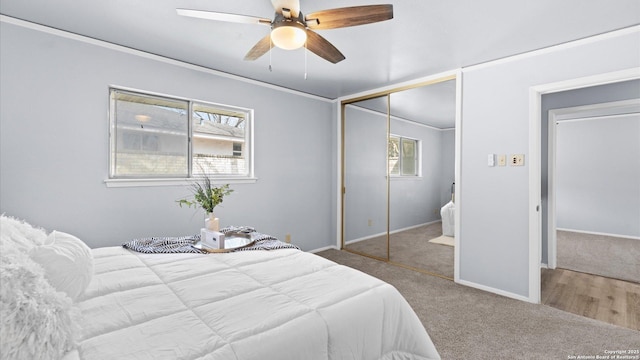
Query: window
{"type": "Point", "coordinates": [403, 156]}
{"type": "Point", "coordinates": [156, 136]}
{"type": "Point", "coordinates": [237, 149]}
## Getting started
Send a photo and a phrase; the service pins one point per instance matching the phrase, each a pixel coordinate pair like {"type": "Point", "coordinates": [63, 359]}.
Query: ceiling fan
{"type": "Point", "coordinates": [290, 29]}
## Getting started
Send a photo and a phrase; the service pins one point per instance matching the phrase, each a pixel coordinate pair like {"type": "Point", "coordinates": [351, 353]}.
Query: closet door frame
{"type": "Point", "coordinates": [343, 188]}
{"type": "Point", "coordinates": [452, 75]}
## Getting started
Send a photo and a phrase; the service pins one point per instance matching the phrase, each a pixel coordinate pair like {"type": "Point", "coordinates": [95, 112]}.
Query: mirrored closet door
{"type": "Point", "coordinates": [366, 190]}
{"type": "Point", "coordinates": [393, 211]}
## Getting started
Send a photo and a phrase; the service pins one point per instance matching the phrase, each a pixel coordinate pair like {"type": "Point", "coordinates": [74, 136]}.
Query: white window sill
{"type": "Point", "coordinates": [405, 178]}
{"type": "Point", "coordinates": [174, 181]}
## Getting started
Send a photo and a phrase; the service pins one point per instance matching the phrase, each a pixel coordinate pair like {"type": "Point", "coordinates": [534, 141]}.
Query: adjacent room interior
{"type": "Point", "coordinates": [591, 201]}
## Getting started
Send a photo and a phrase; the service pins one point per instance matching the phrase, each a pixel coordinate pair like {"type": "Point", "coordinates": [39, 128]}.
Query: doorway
{"type": "Point", "coordinates": [537, 151]}
{"type": "Point", "coordinates": [579, 288]}
{"type": "Point", "coordinates": [593, 196]}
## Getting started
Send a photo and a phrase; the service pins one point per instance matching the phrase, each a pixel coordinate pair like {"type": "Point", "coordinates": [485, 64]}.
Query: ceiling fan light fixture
{"type": "Point", "coordinates": [289, 35]}
{"type": "Point", "coordinates": [142, 118]}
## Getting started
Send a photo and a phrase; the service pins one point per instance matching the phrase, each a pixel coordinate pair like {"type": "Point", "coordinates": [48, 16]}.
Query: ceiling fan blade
{"type": "Point", "coordinates": [348, 16]}
{"type": "Point", "coordinates": [211, 15]}
{"type": "Point", "coordinates": [323, 48]}
{"type": "Point", "coordinates": [259, 49]}
{"type": "Point", "coordinates": [292, 5]}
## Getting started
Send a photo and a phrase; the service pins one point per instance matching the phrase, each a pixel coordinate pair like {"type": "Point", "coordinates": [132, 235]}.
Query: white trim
{"type": "Point", "coordinates": [589, 81]}
{"type": "Point", "coordinates": [628, 106]}
{"type": "Point", "coordinates": [323, 249]}
{"type": "Point", "coordinates": [554, 48]}
{"type": "Point", "coordinates": [406, 177]}
{"type": "Point", "coordinates": [117, 183]}
{"type": "Point", "coordinates": [409, 83]}
{"type": "Point", "coordinates": [535, 144]}
{"type": "Point", "coordinates": [600, 233]}
{"type": "Point", "coordinates": [599, 117]}
{"type": "Point", "coordinates": [364, 238]}
{"type": "Point", "coordinates": [552, 255]}
{"type": "Point", "coordinates": [457, 174]}
{"type": "Point", "coordinates": [494, 290]}
{"type": "Point", "coordinates": [535, 197]}
{"type": "Point", "coordinates": [339, 192]}
{"type": "Point", "coordinates": [140, 53]}
{"type": "Point", "coordinates": [390, 232]}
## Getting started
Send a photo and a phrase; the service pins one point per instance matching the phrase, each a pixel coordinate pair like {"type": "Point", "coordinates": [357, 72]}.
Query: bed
{"type": "Point", "coordinates": [279, 304]}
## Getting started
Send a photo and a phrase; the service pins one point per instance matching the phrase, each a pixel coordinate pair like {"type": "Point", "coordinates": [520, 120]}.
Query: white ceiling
{"type": "Point", "coordinates": [433, 105]}
{"type": "Point", "coordinates": [424, 38]}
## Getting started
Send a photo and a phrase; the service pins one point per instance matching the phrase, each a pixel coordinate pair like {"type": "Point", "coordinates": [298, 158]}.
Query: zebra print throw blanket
{"type": "Point", "coordinates": [184, 244]}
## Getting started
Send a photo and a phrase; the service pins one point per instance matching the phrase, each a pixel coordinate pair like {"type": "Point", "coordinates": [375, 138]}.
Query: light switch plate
{"type": "Point", "coordinates": [491, 160]}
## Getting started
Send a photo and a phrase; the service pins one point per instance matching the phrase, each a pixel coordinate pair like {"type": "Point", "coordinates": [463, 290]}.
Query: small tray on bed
{"type": "Point", "coordinates": [232, 241]}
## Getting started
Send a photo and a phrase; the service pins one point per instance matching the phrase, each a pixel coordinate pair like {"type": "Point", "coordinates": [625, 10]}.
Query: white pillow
{"type": "Point", "coordinates": [38, 322]}
{"type": "Point", "coordinates": [67, 263]}
{"type": "Point", "coordinates": [19, 235]}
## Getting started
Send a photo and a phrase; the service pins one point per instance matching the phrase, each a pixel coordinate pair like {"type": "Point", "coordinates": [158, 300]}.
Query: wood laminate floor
{"type": "Point", "coordinates": [610, 300]}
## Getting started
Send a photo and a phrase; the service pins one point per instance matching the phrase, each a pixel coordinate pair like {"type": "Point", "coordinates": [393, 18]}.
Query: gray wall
{"type": "Point", "coordinates": [598, 182]}
{"type": "Point", "coordinates": [416, 201]}
{"type": "Point", "coordinates": [54, 146]}
{"type": "Point", "coordinates": [592, 95]}
{"type": "Point", "coordinates": [413, 201]}
{"type": "Point", "coordinates": [494, 201]}
{"type": "Point", "coordinates": [365, 202]}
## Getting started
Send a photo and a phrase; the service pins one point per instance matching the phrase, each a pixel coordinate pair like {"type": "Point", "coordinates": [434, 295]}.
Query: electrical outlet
{"type": "Point", "coordinates": [436, 211]}
{"type": "Point", "coordinates": [370, 222]}
{"type": "Point", "coordinates": [516, 160]}
{"type": "Point", "coordinates": [287, 238]}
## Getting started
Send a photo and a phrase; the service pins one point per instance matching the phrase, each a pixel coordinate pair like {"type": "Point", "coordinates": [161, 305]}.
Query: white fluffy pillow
{"type": "Point", "coordinates": [67, 263]}
{"type": "Point", "coordinates": [38, 322]}
{"type": "Point", "coordinates": [19, 235]}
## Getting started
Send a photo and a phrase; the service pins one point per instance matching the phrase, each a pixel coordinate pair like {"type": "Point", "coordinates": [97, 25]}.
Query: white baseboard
{"type": "Point", "coordinates": [391, 232]}
{"type": "Point", "coordinates": [544, 266]}
{"type": "Point", "coordinates": [496, 291]}
{"type": "Point", "coordinates": [323, 249]}
{"type": "Point", "coordinates": [600, 233]}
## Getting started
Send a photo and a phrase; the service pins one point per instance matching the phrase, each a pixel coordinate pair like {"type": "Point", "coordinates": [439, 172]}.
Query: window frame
{"type": "Point", "coordinates": [418, 158]}
{"type": "Point", "coordinates": [129, 181]}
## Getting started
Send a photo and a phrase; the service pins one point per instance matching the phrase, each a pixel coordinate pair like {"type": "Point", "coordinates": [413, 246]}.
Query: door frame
{"type": "Point", "coordinates": [535, 173]}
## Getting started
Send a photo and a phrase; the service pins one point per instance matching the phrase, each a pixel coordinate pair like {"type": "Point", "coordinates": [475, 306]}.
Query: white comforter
{"type": "Point", "coordinates": [281, 304]}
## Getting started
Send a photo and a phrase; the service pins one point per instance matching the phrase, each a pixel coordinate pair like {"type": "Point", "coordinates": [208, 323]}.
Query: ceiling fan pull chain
{"type": "Point", "coordinates": [270, 49]}
{"type": "Point", "coordinates": [305, 60]}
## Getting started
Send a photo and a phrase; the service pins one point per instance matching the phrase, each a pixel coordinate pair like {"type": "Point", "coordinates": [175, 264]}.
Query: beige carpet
{"type": "Point", "coordinates": [443, 240]}
{"type": "Point", "coordinates": [612, 257]}
{"type": "Point", "coordinates": [466, 323]}
{"type": "Point", "coordinates": [412, 248]}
